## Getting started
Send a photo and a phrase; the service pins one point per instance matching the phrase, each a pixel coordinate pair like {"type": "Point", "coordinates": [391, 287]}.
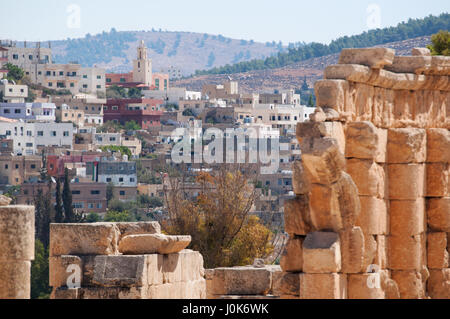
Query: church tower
{"type": "Point", "coordinates": [142, 66]}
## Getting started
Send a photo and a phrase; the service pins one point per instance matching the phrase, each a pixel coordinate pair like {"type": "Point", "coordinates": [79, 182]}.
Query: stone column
{"type": "Point", "coordinates": [17, 240]}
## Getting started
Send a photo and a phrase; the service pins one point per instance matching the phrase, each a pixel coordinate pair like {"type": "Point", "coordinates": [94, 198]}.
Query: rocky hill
{"type": "Point", "coordinates": [291, 76]}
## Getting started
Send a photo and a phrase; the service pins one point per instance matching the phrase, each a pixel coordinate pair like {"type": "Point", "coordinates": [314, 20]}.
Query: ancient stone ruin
{"type": "Point", "coordinates": [371, 216]}
{"type": "Point", "coordinates": [17, 239]}
{"type": "Point", "coordinates": [123, 261]}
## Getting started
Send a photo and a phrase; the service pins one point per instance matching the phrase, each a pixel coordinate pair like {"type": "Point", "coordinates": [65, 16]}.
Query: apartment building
{"type": "Point", "coordinates": [15, 170]}
{"type": "Point", "coordinates": [66, 114]}
{"type": "Point", "coordinates": [28, 137]}
{"type": "Point", "coordinates": [145, 112]}
{"type": "Point", "coordinates": [228, 91]}
{"type": "Point", "coordinates": [173, 95]}
{"type": "Point", "coordinates": [44, 112]}
{"type": "Point", "coordinates": [280, 97]}
{"type": "Point", "coordinates": [12, 93]}
{"type": "Point", "coordinates": [119, 173]}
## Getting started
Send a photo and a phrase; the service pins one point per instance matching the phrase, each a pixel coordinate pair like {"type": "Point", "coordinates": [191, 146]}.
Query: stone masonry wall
{"type": "Point", "coordinates": [123, 261]}
{"type": "Point", "coordinates": [371, 216]}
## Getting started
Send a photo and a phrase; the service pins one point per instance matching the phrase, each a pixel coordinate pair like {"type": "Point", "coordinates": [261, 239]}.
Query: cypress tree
{"type": "Point", "coordinates": [59, 214]}
{"type": "Point", "coordinates": [67, 199]}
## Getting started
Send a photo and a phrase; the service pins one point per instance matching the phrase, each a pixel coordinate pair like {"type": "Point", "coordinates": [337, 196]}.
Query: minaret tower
{"type": "Point", "coordinates": [142, 66]}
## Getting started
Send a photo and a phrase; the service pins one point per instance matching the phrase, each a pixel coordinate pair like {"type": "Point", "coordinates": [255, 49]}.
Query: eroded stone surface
{"type": "Point", "coordinates": [152, 244]}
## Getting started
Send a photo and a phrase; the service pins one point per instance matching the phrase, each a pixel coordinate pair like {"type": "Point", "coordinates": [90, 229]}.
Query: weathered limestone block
{"type": "Point", "coordinates": [300, 183]}
{"type": "Point", "coordinates": [285, 284]}
{"type": "Point", "coordinates": [331, 93]}
{"type": "Point", "coordinates": [5, 200]}
{"type": "Point", "coordinates": [420, 52]}
{"type": "Point", "coordinates": [438, 179]}
{"type": "Point", "coordinates": [133, 293]}
{"type": "Point", "coordinates": [65, 293]}
{"type": "Point", "coordinates": [409, 64]}
{"type": "Point", "coordinates": [120, 271]}
{"type": "Point", "coordinates": [405, 252]}
{"type": "Point", "coordinates": [349, 72]}
{"type": "Point", "coordinates": [99, 293]}
{"type": "Point", "coordinates": [83, 239]}
{"type": "Point", "coordinates": [323, 286]}
{"type": "Point", "coordinates": [139, 228]}
{"type": "Point", "coordinates": [349, 203]}
{"type": "Point", "coordinates": [375, 58]}
{"type": "Point", "coordinates": [17, 233]}
{"type": "Point", "coordinates": [321, 253]}
{"type": "Point", "coordinates": [373, 218]}
{"type": "Point", "coordinates": [185, 266]}
{"type": "Point", "coordinates": [240, 281]}
{"type": "Point", "coordinates": [389, 286]}
{"type": "Point", "coordinates": [365, 141]}
{"type": "Point", "coordinates": [406, 145]}
{"type": "Point", "coordinates": [318, 115]}
{"type": "Point", "coordinates": [438, 145]}
{"type": "Point", "coordinates": [362, 102]}
{"type": "Point", "coordinates": [153, 243]}
{"type": "Point", "coordinates": [352, 250]}
{"type": "Point", "coordinates": [407, 217]}
{"type": "Point", "coordinates": [439, 65]}
{"type": "Point", "coordinates": [322, 160]}
{"type": "Point", "coordinates": [438, 214]}
{"type": "Point", "coordinates": [438, 256]}
{"type": "Point", "coordinates": [370, 251]}
{"type": "Point", "coordinates": [15, 279]}
{"type": "Point", "coordinates": [322, 129]}
{"type": "Point", "coordinates": [410, 284]}
{"type": "Point", "coordinates": [365, 286]}
{"type": "Point", "coordinates": [406, 181]}
{"type": "Point", "coordinates": [381, 256]}
{"type": "Point", "coordinates": [59, 270]}
{"type": "Point", "coordinates": [292, 258]}
{"type": "Point", "coordinates": [368, 176]}
{"type": "Point", "coordinates": [439, 284]}
{"type": "Point", "coordinates": [297, 219]}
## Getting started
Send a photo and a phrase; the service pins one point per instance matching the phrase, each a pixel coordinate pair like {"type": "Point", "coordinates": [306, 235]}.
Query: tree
{"type": "Point", "coordinates": [93, 218]}
{"type": "Point", "coordinates": [311, 101]}
{"type": "Point", "coordinates": [69, 215]}
{"type": "Point", "coordinates": [440, 43]}
{"type": "Point", "coordinates": [218, 218]}
{"type": "Point", "coordinates": [115, 216]}
{"type": "Point", "coordinates": [211, 59]}
{"type": "Point", "coordinates": [43, 170]}
{"type": "Point", "coordinates": [305, 86]}
{"type": "Point", "coordinates": [43, 214]}
{"type": "Point", "coordinates": [109, 192]}
{"type": "Point", "coordinates": [14, 72]}
{"type": "Point", "coordinates": [40, 272]}
{"type": "Point", "coordinates": [132, 126]}
{"type": "Point", "coordinates": [59, 214]}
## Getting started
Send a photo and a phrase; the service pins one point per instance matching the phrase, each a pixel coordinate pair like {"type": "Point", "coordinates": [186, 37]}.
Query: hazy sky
{"type": "Point", "coordinates": [260, 20]}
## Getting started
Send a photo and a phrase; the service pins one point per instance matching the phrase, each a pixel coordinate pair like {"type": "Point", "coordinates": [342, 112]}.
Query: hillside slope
{"type": "Point", "coordinates": [291, 76]}
{"type": "Point", "coordinates": [186, 51]}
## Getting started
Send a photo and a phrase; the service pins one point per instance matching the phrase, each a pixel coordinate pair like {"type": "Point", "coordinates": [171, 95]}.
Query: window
{"type": "Point", "coordinates": [30, 57]}
{"type": "Point", "coordinates": [76, 192]}
{"type": "Point", "coordinates": [72, 85]}
{"type": "Point", "coordinates": [95, 192]}
{"type": "Point", "coordinates": [108, 179]}
{"type": "Point", "coordinates": [17, 111]}
{"type": "Point", "coordinates": [50, 84]}
{"type": "Point", "coordinates": [108, 80]}
{"type": "Point", "coordinates": [29, 145]}
{"type": "Point", "coordinates": [8, 133]}
{"type": "Point", "coordinates": [112, 139]}
{"type": "Point", "coordinates": [99, 205]}
{"type": "Point", "coordinates": [99, 77]}
{"type": "Point", "coordinates": [17, 166]}
{"type": "Point", "coordinates": [84, 76]}
{"type": "Point", "coordinates": [85, 86]}
{"type": "Point", "coordinates": [6, 111]}
{"type": "Point", "coordinates": [6, 166]}
{"type": "Point", "coordinates": [40, 133]}
{"type": "Point", "coordinates": [90, 205]}
{"type": "Point", "coordinates": [66, 133]}
{"type": "Point", "coordinates": [99, 86]}
{"type": "Point", "coordinates": [122, 193]}
{"type": "Point", "coordinates": [48, 73]}
{"type": "Point", "coordinates": [53, 133]}
{"type": "Point", "coordinates": [122, 80]}
{"type": "Point", "coordinates": [78, 205]}
{"type": "Point", "coordinates": [15, 56]}
{"type": "Point", "coordinates": [61, 72]}
{"type": "Point", "coordinates": [33, 166]}
{"type": "Point", "coordinates": [132, 179]}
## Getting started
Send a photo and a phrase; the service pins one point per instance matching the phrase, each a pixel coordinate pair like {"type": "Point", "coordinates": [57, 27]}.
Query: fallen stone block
{"type": "Point", "coordinates": [368, 176]}
{"type": "Point", "coordinates": [286, 284]}
{"type": "Point", "coordinates": [438, 145]}
{"type": "Point", "coordinates": [152, 244]}
{"type": "Point", "coordinates": [17, 233]}
{"type": "Point", "coordinates": [352, 250]}
{"type": "Point", "coordinates": [405, 252]}
{"type": "Point", "coordinates": [438, 180]}
{"type": "Point", "coordinates": [410, 284]}
{"type": "Point", "coordinates": [365, 286]}
{"type": "Point", "coordinates": [292, 258]}
{"type": "Point", "coordinates": [120, 271]}
{"type": "Point", "coordinates": [438, 214]}
{"type": "Point", "coordinates": [15, 279]}
{"type": "Point", "coordinates": [61, 267]}
{"type": "Point", "coordinates": [438, 256]}
{"type": "Point", "coordinates": [323, 286]}
{"type": "Point", "coordinates": [297, 219]}
{"type": "Point", "coordinates": [321, 253]}
{"type": "Point", "coordinates": [349, 72]}
{"type": "Point", "coordinates": [83, 239]}
{"type": "Point", "coordinates": [5, 200]}
{"type": "Point", "coordinates": [373, 218]}
{"type": "Point", "coordinates": [420, 52]}
{"type": "Point", "coordinates": [438, 285]}
{"type": "Point", "coordinates": [406, 145]}
{"type": "Point", "coordinates": [138, 228]}
{"type": "Point", "coordinates": [331, 93]}
{"type": "Point", "coordinates": [407, 217]}
{"type": "Point", "coordinates": [322, 160]}
{"type": "Point", "coordinates": [375, 58]}
{"type": "Point", "coordinates": [185, 266]}
{"type": "Point", "coordinates": [406, 181]}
